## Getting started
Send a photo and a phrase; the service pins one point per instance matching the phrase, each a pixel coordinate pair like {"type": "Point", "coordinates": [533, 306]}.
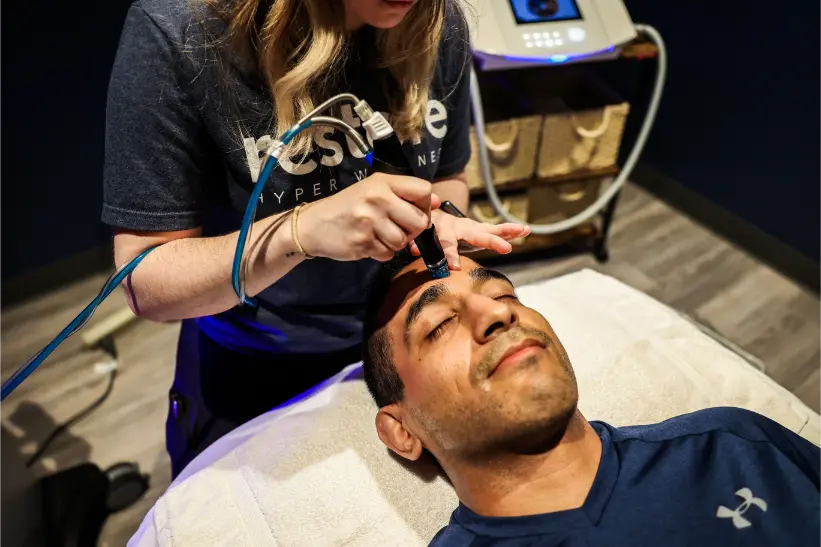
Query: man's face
{"type": "Point", "coordinates": [481, 371]}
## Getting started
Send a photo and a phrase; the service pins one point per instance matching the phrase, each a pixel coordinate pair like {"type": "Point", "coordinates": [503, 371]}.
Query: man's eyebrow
{"type": "Point", "coordinates": [428, 297]}
{"type": "Point", "coordinates": [480, 275]}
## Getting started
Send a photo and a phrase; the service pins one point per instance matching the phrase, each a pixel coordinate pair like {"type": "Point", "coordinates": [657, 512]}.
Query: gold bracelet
{"type": "Point", "coordinates": [294, 236]}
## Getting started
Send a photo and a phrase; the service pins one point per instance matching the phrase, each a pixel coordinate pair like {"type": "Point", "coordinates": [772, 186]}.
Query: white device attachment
{"type": "Point", "coordinates": [375, 124]}
{"type": "Point", "coordinates": [377, 127]}
{"type": "Point", "coordinates": [275, 149]}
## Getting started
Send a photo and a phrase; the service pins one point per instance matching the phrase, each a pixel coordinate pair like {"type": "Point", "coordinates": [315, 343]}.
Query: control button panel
{"type": "Point", "coordinates": [553, 38]}
{"type": "Point", "coordinates": [575, 34]}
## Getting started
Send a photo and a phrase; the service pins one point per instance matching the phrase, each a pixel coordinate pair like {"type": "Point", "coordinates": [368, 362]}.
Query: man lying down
{"type": "Point", "coordinates": [460, 368]}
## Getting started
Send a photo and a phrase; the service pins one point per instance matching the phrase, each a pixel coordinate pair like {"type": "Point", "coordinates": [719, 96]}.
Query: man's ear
{"type": "Point", "coordinates": [393, 433]}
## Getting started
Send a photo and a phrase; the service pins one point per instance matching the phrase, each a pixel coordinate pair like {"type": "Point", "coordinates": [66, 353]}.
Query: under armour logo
{"type": "Point", "coordinates": [736, 514]}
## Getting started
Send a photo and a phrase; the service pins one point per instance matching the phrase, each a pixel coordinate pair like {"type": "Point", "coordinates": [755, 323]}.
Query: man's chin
{"type": "Point", "coordinates": [522, 427]}
{"type": "Point", "coordinates": [542, 437]}
{"type": "Point", "coordinates": [543, 414]}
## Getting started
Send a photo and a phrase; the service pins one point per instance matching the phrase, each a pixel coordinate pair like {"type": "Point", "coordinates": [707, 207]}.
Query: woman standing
{"type": "Point", "coordinates": [199, 89]}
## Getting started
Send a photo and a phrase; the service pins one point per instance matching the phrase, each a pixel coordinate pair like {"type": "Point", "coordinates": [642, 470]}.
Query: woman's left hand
{"type": "Point", "coordinates": [451, 230]}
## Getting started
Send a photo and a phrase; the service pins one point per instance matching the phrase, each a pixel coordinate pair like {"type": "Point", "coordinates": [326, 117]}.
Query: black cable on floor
{"type": "Point", "coordinates": [107, 345]}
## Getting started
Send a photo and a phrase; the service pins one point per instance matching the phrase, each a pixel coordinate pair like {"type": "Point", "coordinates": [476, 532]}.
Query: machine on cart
{"type": "Point", "coordinates": [545, 40]}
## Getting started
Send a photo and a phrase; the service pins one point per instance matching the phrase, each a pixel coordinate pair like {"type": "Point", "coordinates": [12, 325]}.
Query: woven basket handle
{"type": "Point", "coordinates": [480, 216]}
{"type": "Point", "coordinates": [503, 148]}
{"type": "Point", "coordinates": [570, 197]}
{"type": "Point", "coordinates": [596, 132]}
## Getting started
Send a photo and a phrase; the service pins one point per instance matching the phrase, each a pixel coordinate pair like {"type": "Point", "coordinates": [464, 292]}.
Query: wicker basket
{"type": "Point", "coordinates": [555, 202]}
{"type": "Point", "coordinates": [585, 140]}
{"type": "Point", "coordinates": [482, 210]}
{"type": "Point", "coordinates": [512, 146]}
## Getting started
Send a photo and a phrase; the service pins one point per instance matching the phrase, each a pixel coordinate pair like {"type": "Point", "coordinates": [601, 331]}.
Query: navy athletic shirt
{"type": "Point", "coordinates": [186, 131]}
{"type": "Point", "coordinates": [720, 477]}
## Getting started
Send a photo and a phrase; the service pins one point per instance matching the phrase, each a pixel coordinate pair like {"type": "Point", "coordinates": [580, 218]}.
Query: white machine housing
{"type": "Point", "coordinates": [503, 39]}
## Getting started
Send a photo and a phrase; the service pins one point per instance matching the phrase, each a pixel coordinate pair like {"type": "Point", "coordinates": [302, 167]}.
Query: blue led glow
{"type": "Point", "coordinates": [558, 59]}
{"type": "Point", "coordinates": [439, 270]}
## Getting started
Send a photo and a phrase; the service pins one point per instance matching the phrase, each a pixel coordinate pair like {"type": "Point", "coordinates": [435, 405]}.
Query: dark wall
{"type": "Point", "coordinates": [738, 124]}
{"type": "Point", "coordinates": [56, 61]}
{"type": "Point", "coordinates": [739, 118]}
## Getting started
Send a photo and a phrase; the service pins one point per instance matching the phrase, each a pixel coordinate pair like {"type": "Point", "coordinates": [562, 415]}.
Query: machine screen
{"type": "Point", "coordinates": [543, 11]}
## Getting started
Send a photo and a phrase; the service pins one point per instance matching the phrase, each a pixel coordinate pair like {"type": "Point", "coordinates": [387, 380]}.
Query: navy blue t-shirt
{"type": "Point", "coordinates": [186, 131]}
{"type": "Point", "coordinates": [717, 477]}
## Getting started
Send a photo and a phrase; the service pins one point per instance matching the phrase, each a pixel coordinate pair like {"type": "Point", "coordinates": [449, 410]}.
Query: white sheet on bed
{"type": "Point", "coordinates": [315, 474]}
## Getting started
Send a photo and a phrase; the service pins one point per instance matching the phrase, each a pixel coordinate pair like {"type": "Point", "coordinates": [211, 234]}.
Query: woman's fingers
{"type": "Point", "coordinates": [494, 237]}
{"type": "Point", "coordinates": [508, 231]}
{"type": "Point", "coordinates": [435, 202]}
{"type": "Point", "coordinates": [446, 231]}
{"type": "Point", "coordinates": [451, 249]}
{"type": "Point", "coordinates": [408, 217]}
{"type": "Point", "coordinates": [391, 235]}
{"type": "Point", "coordinates": [380, 252]}
{"type": "Point", "coordinates": [484, 240]}
{"type": "Point", "coordinates": [412, 189]}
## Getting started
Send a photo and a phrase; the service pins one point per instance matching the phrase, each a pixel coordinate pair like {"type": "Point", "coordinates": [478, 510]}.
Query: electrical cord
{"type": "Point", "coordinates": [615, 186]}
{"type": "Point", "coordinates": [336, 99]}
{"type": "Point", "coordinates": [76, 324]}
{"type": "Point", "coordinates": [118, 276]}
{"type": "Point", "coordinates": [107, 344]}
{"type": "Point", "coordinates": [270, 162]}
{"type": "Point", "coordinates": [376, 127]}
{"type": "Point", "coordinates": [345, 128]}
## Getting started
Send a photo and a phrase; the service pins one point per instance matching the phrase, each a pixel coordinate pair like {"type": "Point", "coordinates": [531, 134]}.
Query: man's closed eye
{"type": "Point", "coordinates": [440, 329]}
{"type": "Point", "coordinates": [442, 326]}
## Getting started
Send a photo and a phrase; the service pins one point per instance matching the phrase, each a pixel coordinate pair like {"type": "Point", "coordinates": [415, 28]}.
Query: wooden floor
{"type": "Point", "coordinates": [652, 247]}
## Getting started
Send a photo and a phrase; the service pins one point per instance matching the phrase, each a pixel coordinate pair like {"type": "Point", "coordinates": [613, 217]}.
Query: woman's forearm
{"type": "Point", "coordinates": [454, 189]}
{"type": "Point", "coordinates": [191, 276]}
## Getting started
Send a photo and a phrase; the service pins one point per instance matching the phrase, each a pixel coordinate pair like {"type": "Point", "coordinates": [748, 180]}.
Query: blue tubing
{"type": "Point", "coordinates": [25, 371]}
{"type": "Point", "coordinates": [250, 212]}
{"type": "Point", "coordinates": [31, 365]}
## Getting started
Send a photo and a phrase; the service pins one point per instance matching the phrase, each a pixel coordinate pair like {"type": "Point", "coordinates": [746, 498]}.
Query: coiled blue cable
{"type": "Point", "coordinates": [119, 276]}
{"type": "Point", "coordinates": [82, 318]}
{"type": "Point", "coordinates": [25, 371]}
{"type": "Point", "coordinates": [250, 212]}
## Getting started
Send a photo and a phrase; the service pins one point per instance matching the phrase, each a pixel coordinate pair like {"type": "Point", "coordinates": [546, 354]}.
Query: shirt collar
{"type": "Point", "coordinates": [559, 522]}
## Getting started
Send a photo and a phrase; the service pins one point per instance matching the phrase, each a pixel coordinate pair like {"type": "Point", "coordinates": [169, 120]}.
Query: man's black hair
{"type": "Point", "coordinates": [383, 381]}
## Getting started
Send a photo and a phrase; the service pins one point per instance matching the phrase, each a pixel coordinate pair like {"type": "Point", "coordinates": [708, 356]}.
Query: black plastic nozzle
{"type": "Point", "coordinates": [432, 253]}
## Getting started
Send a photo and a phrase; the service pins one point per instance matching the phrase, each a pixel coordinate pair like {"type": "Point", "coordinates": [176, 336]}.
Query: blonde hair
{"type": "Point", "coordinates": [297, 46]}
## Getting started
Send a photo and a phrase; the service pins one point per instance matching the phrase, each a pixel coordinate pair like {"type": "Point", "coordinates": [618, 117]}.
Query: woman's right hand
{"type": "Point", "coordinates": [370, 219]}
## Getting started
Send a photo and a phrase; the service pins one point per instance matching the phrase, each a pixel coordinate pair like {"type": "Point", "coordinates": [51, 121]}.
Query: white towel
{"type": "Point", "coordinates": [315, 474]}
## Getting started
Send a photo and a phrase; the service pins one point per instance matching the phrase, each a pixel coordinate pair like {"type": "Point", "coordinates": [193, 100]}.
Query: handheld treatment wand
{"type": "Point", "coordinates": [431, 248]}
{"type": "Point", "coordinates": [432, 253]}
{"type": "Point", "coordinates": [376, 127]}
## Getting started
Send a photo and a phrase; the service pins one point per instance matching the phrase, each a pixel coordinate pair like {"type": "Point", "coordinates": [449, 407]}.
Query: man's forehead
{"type": "Point", "coordinates": [413, 280]}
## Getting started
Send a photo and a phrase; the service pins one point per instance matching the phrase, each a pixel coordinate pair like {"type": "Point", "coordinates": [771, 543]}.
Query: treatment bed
{"type": "Point", "coordinates": [313, 472]}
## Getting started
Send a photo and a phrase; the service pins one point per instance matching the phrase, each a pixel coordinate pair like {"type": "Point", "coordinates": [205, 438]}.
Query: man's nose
{"type": "Point", "coordinates": [489, 317]}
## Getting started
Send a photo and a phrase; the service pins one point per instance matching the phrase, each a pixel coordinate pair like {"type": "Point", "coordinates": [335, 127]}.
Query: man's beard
{"type": "Point", "coordinates": [495, 426]}
{"type": "Point", "coordinates": [490, 433]}
{"type": "Point", "coordinates": [485, 366]}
